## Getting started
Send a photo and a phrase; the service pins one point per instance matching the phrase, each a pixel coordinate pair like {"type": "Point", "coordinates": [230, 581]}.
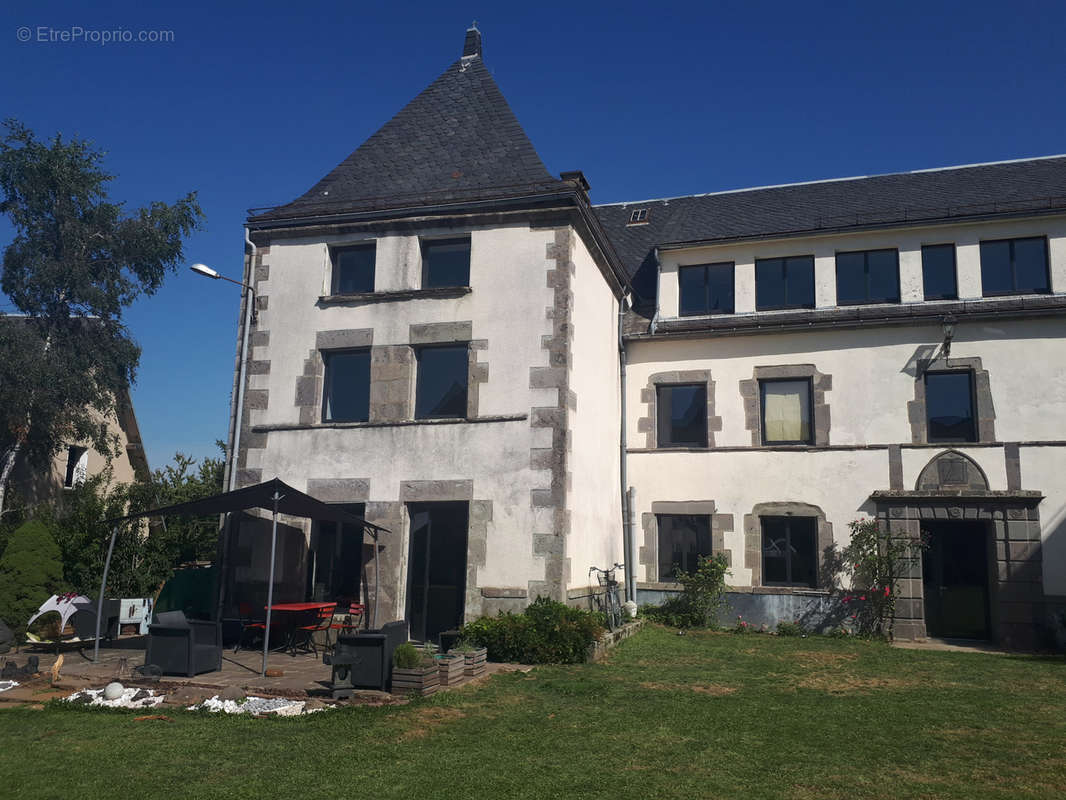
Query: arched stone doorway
{"type": "Point", "coordinates": [987, 540]}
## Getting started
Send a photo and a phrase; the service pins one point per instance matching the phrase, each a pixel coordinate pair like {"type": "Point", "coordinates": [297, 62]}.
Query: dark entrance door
{"type": "Point", "coordinates": [955, 579]}
{"type": "Point", "coordinates": [436, 574]}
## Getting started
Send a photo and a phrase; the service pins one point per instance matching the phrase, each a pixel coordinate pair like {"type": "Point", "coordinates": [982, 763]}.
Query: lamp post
{"type": "Point", "coordinates": [236, 413]}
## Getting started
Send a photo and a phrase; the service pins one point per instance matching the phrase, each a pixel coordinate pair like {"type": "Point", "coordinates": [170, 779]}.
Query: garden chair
{"type": "Point", "coordinates": [180, 646]}
{"type": "Point", "coordinates": [350, 622]}
{"type": "Point", "coordinates": [303, 636]}
{"type": "Point", "coordinates": [251, 628]}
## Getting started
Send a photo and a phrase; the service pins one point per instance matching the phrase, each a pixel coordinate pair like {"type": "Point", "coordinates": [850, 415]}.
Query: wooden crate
{"type": "Point", "coordinates": [451, 668]}
{"type": "Point", "coordinates": [422, 681]}
{"type": "Point", "coordinates": [475, 662]}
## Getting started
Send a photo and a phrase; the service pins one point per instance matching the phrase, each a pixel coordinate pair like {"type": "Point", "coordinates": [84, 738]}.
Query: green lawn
{"type": "Point", "coordinates": [699, 716]}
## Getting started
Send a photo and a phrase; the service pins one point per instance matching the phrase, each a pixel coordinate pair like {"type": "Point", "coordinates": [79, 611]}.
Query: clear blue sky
{"type": "Point", "coordinates": [254, 102]}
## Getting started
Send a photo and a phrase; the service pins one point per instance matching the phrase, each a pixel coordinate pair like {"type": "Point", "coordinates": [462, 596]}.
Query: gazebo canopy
{"type": "Point", "coordinates": [291, 502]}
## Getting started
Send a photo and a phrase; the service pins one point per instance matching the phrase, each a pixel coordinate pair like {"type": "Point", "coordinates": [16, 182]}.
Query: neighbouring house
{"type": "Point", "coordinates": [462, 348]}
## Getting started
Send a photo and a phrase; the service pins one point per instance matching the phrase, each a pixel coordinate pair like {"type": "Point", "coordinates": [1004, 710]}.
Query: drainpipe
{"type": "Point", "coordinates": [625, 496]}
{"type": "Point", "coordinates": [236, 417]}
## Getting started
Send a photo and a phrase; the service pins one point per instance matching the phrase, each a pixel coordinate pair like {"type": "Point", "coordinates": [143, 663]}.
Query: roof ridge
{"type": "Point", "coordinates": [832, 180]}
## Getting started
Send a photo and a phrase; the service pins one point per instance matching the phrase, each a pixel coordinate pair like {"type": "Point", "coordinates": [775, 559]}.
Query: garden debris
{"type": "Point", "coordinates": [275, 673]}
{"type": "Point", "coordinates": [56, 667]}
{"type": "Point", "coordinates": [162, 717]}
{"type": "Point", "coordinates": [5, 685]}
{"type": "Point", "coordinates": [11, 670]}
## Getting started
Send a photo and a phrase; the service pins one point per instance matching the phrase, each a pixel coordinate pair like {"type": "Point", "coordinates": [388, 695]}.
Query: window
{"type": "Point", "coordinates": [683, 538]}
{"type": "Point", "coordinates": [868, 276]}
{"type": "Point", "coordinates": [706, 289]}
{"type": "Point", "coordinates": [77, 467]}
{"type": "Point", "coordinates": [353, 269]}
{"type": "Point", "coordinates": [789, 552]}
{"type": "Point", "coordinates": [445, 262]}
{"type": "Point", "coordinates": [638, 216]}
{"type": "Point", "coordinates": [949, 407]}
{"type": "Point", "coordinates": [334, 560]}
{"type": "Point", "coordinates": [346, 389]}
{"type": "Point", "coordinates": [938, 272]}
{"type": "Point", "coordinates": [440, 389]}
{"type": "Point", "coordinates": [682, 412]}
{"type": "Point", "coordinates": [784, 283]}
{"type": "Point", "coordinates": [1014, 266]}
{"type": "Point", "coordinates": [786, 411]}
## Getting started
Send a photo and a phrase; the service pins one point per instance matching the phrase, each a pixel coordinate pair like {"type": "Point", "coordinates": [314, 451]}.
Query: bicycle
{"type": "Point", "coordinates": [611, 603]}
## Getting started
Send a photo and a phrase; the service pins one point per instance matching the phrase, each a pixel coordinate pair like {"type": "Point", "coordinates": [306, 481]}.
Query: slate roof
{"type": "Point", "coordinates": [910, 197]}
{"type": "Point", "coordinates": [456, 141]}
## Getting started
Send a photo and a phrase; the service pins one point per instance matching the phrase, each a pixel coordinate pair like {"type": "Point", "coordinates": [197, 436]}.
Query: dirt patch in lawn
{"type": "Point", "coordinates": [840, 683]}
{"type": "Point", "coordinates": [425, 720]}
{"type": "Point", "coordinates": [716, 690]}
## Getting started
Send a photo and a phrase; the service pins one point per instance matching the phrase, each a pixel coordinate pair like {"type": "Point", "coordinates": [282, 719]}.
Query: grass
{"type": "Point", "coordinates": [700, 716]}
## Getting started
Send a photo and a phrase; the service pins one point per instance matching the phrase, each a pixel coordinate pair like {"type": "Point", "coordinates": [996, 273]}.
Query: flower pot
{"type": "Point", "coordinates": [422, 681]}
{"type": "Point", "coordinates": [474, 662]}
{"type": "Point", "coordinates": [451, 668]}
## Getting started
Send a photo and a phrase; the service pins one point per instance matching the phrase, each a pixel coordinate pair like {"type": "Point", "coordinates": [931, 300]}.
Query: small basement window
{"type": "Point", "coordinates": [683, 538]}
{"type": "Point", "coordinates": [638, 216]}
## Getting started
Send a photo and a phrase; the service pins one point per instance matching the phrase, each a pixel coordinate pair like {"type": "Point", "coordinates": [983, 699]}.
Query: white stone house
{"type": "Point", "coordinates": [463, 348]}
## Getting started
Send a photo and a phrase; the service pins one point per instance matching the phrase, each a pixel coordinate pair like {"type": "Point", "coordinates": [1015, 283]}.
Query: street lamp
{"type": "Point", "coordinates": [207, 272]}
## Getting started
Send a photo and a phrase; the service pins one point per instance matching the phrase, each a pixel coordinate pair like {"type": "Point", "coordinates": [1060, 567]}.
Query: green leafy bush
{"type": "Point", "coordinates": [30, 572]}
{"type": "Point", "coordinates": [406, 656]}
{"type": "Point", "coordinates": [700, 599]}
{"type": "Point", "coordinates": [790, 629]}
{"type": "Point", "coordinates": [547, 632]}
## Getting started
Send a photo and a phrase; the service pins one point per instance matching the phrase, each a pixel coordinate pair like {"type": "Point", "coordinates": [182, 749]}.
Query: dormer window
{"type": "Point", "coordinates": [638, 216]}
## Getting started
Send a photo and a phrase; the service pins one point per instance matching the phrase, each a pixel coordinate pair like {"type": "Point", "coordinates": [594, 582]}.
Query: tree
{"type": "Point", "coordinates": [76, 262]}
{"type": "Point", "coordinates": [30, 573]}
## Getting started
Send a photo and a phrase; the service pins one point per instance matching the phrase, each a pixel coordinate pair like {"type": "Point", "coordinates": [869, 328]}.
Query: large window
{"type": "Point", "coordinates": [440, 388]}
{"type": "Point", "coordinates": [938, 272]}
{"type": "Point", "coordinates": [786, 411]}
{"type": "Point", "coordinates": [784, 283]}
{"type": "Point", "coordinates": [334, 560]}
{"type": "Point", "coordinates": [445, 262]}
{"type": "Point", "coordinates": [949, 406]}
{"type": "Point", "coordinates": [346, 388]}
{"type": "Point", "coordinates": [789, 551]}
{"type": "Point", "coordinates": [1014, 266]}
{"type": "Point", "coordinates": [683, 538]}
{"type": "Point", "coordinates": [682, 412]}
{"type": "Point", "coordinates": [353, 269]}
{"type": "Point", "coordinates": [706, 289]}
{"type": "Point", "coordinates": [868, 276]}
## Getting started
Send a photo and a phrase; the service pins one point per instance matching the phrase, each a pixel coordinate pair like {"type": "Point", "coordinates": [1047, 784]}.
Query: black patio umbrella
{"type": "Point", "coordinates": [275, 496]}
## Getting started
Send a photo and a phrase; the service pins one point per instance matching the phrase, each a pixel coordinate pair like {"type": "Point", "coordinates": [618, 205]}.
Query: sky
{"type": "Point", "coordinates": [249, 104]}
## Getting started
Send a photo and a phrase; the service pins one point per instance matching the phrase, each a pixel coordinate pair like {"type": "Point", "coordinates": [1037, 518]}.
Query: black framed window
{"type": "Point", "coordinates": [787, 411]}
{"type": "Point", "coordinates": [445, 262]}
{"type": "Point", "coordinates": [705, 289]}
{"type": "Point", "coordinates": [784, 283]}
{"type": "Point", "coordinates": [868, 276]}
{"type": "Point", "coordinates": [334, 560]}
{"type": "Point", "coordinates": [938, 272]}
{"type": "Point", "coordinates": [682, 413]}
{"type": "Point", "coordinates": [440, 388]}
{"type": "Point", "coordinates": [346, 386]}
{"type": "Point", "coordinates": [683, 538]}
{"type": "Point", "coordinates": [1015, 266]}
{"type": "Point", "coordinates": [353, 269]}
{"type": "Point", "coordinates": [789, 551]}
{"type": "Point", "coordinates": [949, 406]}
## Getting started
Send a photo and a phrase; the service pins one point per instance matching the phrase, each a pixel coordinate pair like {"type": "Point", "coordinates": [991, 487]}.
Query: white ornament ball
{"type": "Point", "coordinates": [113, 691]}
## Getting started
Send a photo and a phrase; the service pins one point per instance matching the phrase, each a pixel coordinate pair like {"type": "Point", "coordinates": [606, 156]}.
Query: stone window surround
{"type": "Point", "coordinates": [649, 424]}
{"type": "Point", "coordinates": [392, 370]}
{"type": "Point", "coordinates": [752, 398]}
{"type": "Point", "coordinates": [984, 409]}
{"type": "Point", "coordinates": [753, 540]}
{"type": "Point", "coordinates": [648, 554]}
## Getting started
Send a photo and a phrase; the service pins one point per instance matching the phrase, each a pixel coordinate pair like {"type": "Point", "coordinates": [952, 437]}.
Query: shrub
{"type": "Point", "coordinates": [700, 599]}
{"type": "Point", "coordinates": [30, 572]}
{"type": "Point", "coordinates": [406, 656]}
{"type": "Point", "coordinates": [742, 626]}
{"type": "Point", "coordinates": [790, 629]}
{"type": "Point", "coordinates": [547, 632]}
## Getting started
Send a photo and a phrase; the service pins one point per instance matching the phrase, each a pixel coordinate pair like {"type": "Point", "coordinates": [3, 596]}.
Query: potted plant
{"type": "Point", "coordinates": [474, 659]}
{"type": "Point", "coordinates": [414, 671]}
{"type": "Point", "coordinates": [451, 666]}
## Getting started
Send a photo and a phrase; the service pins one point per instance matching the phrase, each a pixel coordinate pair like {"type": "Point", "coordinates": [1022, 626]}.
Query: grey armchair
{"type": "Point", "coordinates": [364, 660]}
{"type": "Point", "coordinates": [180, 646]}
